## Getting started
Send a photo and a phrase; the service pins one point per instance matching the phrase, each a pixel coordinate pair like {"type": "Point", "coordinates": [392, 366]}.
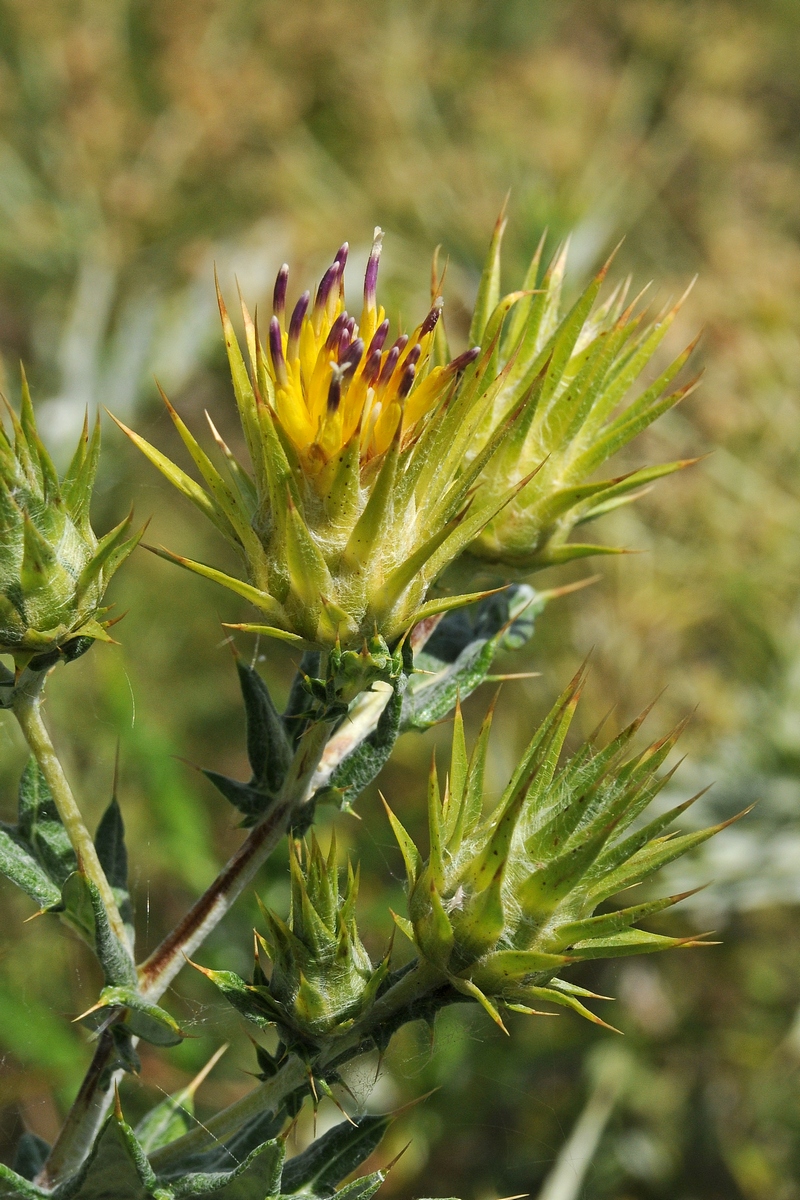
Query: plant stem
{"type": "Point", "coordinates": [156, 974]}
{"type": "Point", "coordinates": [314, 761]}
{"type": "Point", "coordinates": [27, 709]}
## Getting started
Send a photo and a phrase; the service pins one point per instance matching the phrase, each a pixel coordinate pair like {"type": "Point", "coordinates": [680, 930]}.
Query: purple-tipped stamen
{"type": "Point", "coordinates": [378, 337]}
{"type": "Point", "coordinates": [337, 328]}
{"type": "Point", "coordinates": [335, 390]}
{"type": "Point", "coordinates": [296, 325]}
{"type": "Point", "coordinates": [279, 294]}
{"type": "Point", "coordinates": [413, 356]}
{"type": "Point", "coordinates": [327, 284]}
{"type": "Point", "coordinates": [406, 381]}
{"type": "Point", "coordinates": [372, 368]}
{"type": "Point", "coordinates": [276, 352]}
{"type": "Point", "coordinates": [341, 255]}
{"type": "Point", "coordinates": [345, 338]}
{"type": "Point", "coordinates": [353, 355]}
{"type": "Point", "coordinates": [463, 360]}
{"type": "Point", "coordinates": [371, 275]}
{"type": "Point", "coordinates": [389, 366]}
{"type": "Point", "coordinates": [430, 322]}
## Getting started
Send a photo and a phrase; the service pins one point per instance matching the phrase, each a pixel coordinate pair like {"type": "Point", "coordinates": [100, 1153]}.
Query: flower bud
{"type": "Point", "coordinates": [53, 569]}
{"type": "Point", "coordinates": [505, 901]}
{"type": "Point", "coordinates": [322, 978]}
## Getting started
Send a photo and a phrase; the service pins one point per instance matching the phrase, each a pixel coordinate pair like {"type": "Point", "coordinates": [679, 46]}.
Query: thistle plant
{"type": "Point", "coordinates": [379, 475]}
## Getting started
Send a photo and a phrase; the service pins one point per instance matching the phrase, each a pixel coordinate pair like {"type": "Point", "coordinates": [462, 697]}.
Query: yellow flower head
{"type": "Point", "coordinates": [330, 378]}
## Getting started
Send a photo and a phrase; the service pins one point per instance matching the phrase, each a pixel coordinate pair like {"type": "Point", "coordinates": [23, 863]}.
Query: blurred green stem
{"type": "Point", "coordinates": [28, 697]}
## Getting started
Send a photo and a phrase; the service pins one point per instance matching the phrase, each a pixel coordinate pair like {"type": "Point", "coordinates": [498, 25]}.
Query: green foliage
{"type": "Point", "coordinates": [36, 854]}
{"type": "Point", "coordinates": [118, 1167]}
{"type": "Point", "coordinates": [269, 750]}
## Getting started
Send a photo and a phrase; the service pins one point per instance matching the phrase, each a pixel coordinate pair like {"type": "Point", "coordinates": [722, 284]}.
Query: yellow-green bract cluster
{"type": "Point", "coordinates": [53, 569]}
{"type": "Point", "coordinates": [322, 978]}
{"type": "Point", "coordinates": [505, 901]}
{"type": "Point", "coordinates": [573, 372]}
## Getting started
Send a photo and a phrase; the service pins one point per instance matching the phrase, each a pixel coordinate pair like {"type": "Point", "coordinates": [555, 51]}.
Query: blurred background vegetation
{"type": "Point", "coordinates": [143, 141]}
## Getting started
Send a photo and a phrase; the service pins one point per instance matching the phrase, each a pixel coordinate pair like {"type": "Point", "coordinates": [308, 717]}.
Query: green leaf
{"type": "Point", "coordinates": [268, 749]}
{"type": "Point", "coordinates": [224, 1156]}
{"type": "Point", "coordinates": [167, 1121]}
{"type": "Point", "coordinates": [184, 483]}
{"type": "Point", "coordinates": [18, 864]}
{"type": "Point", "coordinates": [36, 853]}
{"type": "Point", "coordinates": [364, 1188]}
{"type": "Point", "coordinates": [117, 1168]}
{"type": "Point", "coordinates": [459, 655]}
{"type": "Point", "coordinates": [83, 908]}
{"type": "Point", "coordinates": [13, 1185]}
{"type": "Point", "coordinates": [251, 1002]}
{"type": "Point", "coordinates": [355, 772]}
{"type": "Point", "coordinates": [144, 1019]}
{"type": "Point", "coordinates": [40, 825]}
{"type": "Point", "coordinates": [257, 1178]}
{"type": "Point", "coordinates": [109, 841]}
{"type": "Point", "coordinates": [332, 1157]}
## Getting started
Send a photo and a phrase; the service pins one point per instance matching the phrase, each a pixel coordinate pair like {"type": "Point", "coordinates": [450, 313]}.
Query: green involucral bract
{"type": "Point", "coordinates": [572, 373]}
{"type": "Point", "coordinates": [54, 571]}
{"type": "Point", "coordinates": [505, 901]}
{"type": "Point", "coordinates": [322, 978]}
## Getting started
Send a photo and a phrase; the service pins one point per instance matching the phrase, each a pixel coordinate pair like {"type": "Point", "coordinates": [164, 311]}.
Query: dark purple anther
{"type": "Point", "coordinates": [371, 276]}
{"type": "Point", "coordinates": [413, 356]}
{"type": "Point", "coordinates": [335, 391]}
{"type": "Point", "coordinates": [296, 324]}
{"type": "Point", "coordinates": [341, 255]}
{"type": "Point", "coordinates": [351, 324]}
{"type": "Point", "coordinates": [276, 351]}
{"type": "Point", "coordinates": [389, 366]}
{"type": "Point", "coordinates": [463, 360]}
{"type": "Point", "coordinates": [378, 338]}
{"type": "Point", "coordinates": [279, 294]}
{"type": "Point", "coordinates": [372, 368]}
{"type": "Point", "coordinates": [406, 381]}
{"type": "Point", "coordinates": [352, 357]}
{"type": "Point", "coordinates": [429, 324]}
{"type": "Point", "coordinates": [401, 343]}
{"type": "Point", "coordinates": [326, 286]}
{"type": "Point", "coordinates": [344, 342]}
{"type": "Point", "coordinates": [337, 328]}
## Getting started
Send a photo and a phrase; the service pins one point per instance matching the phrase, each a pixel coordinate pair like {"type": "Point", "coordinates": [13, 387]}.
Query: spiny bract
{"type": "Point", "coordinates": [359, 496]}
{"type": "Point", "coordinates": [504, 902]}
{"type": "Point", "coordinates": [572, 373]}
{"type": "Point", "coordinates": [322, 978]}
{"type": "Point", "coordinates": [53, 570]}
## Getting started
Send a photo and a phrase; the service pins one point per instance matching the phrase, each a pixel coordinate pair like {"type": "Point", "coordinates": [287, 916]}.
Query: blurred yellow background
{"type": "Point", "coordinates": [144, 141]}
